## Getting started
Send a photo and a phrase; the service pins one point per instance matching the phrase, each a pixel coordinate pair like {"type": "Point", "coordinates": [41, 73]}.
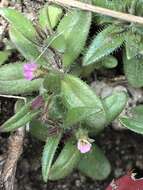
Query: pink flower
{"type": "Point", "coordinates": [84, 145]}
{"type": "Point", "coordinates": [29, 69]}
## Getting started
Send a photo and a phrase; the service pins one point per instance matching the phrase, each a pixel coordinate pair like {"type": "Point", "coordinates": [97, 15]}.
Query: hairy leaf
{"type": "Point", "coordinates": [52, 82]}
{"type": "Point", "coordinates": [26, 47]}
{"type": "Point", "coordinates": [38, 130]}
{"type": "Point", "coordinates": [96, 122]}
{"type": "Point", "coordinates": [132, 124]}
{"type": "Point", "coordinates": [12, 71]}
{"type": "Point", "coordinates": [66, 162]}
{"type": "Point", "coordinates": [114, 105]}
{"type": "Point", "coordinates": [56, 108]}
{"type": "Point", "coordinates": [56, 41]}
{"type": "Point", "coordinates": [137, 112]}
{"type": "Point", "coordinates": [77, 94]}
{"type": "Point", "coordinates": [74, 27]}
{"type": "Point", "coordinates": [21, 122]}
{"type": "Point", "coordinates": [78, 114]}
{"type": "Point", "coordinates": [94, 164]}
{"type": "Point", "coordinates": [48, 154]}
{"type": "Point", "coordinates": [19, 22]}
{"type": "Point", "coordinates": [109, 62]}
{"type": "Point", "coordinates": [50, 16]}
{"type": "Point", "coordinates": [21, 118]}
{"type": "Point", "coordinates": [133, 69]}
{"type": "Point", "coordinates": [20, 86]}
{"type": "Point", "coordinates": [133, 45]}
{"type": "Point", "coordinates": [103, 44]}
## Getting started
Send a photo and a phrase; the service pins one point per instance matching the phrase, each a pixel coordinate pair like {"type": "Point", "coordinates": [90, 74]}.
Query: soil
{"type": "Point", "coordinates": [123, 148]}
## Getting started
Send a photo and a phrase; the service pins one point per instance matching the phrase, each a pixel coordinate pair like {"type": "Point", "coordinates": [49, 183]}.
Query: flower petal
{"type": "Point", "coordinates": [84, 146]}
{"type": "Point", "coordinates": [28, 70]}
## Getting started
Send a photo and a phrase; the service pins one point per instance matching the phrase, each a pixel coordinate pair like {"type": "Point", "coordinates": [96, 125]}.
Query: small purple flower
{"type": "Point", "coordinates": [37, 103]}
{"type": "Point", "coordinates": [29, 69]}
{"type": "Point", "coordinates": [84, 145]}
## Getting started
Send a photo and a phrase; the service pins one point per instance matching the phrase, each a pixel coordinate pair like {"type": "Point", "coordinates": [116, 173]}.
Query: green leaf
{"type": "Point", "coordinates": [50, 16]}
{"type": "Point", "coordinates": [104, 43]}
{"type": "Point", "coordinates": [21, 110]}
{"type": "Point", "coordinates": [12, 71]}
{"type": "Point", "coordinates": [96, 122]}
{"type": "Point", "coordinates": [139, 8]}
{"type": "Point", "coordinates": [21, 118]}
{"type": "Point", "coordinates": [138, 112]}
{"type": "Point", "coordinates": [48, 154]}
{"type": "Point", "coordinates": [77, 94]}
{"type": "Point", "coordinates": [21, 104]}
{"type": "Point", "coordinates": [114, 105]}
{"type": "Point", "coordinates": [56, 108]}
{"type": "Point", "coordinates": [78, 114]}
{"type": "Point", "coordinates": [118, 5]}
{"type": "Point", "coordinates": [133, 44]}
{"type": "Point", "coordinates": [95, 165]}
{"type": "Point", "coordinates": [4, 56]}
{"type": "Point", "coordinates": [101, 3]}
{"type": "Point", "coordinates": [133, 69]}
{"type": "Point", "coordinates": [74, 27]}
{"type": "Point", "coordinates": [56, 41]}
{"type": "Point", "coordinates": [19, 22]}
{"type": "Point", "coordinates": [20, 86]}
{"type": "Point", "coordinates": [132, 124]}
{"type": "Point", "coordinates": [26, 47]}
{"type": "Point", "coordinates": [52, 82]}
{"type": "Point", "coordinates": [109, 62]}
{"type": "Point", "coordinates": [21, 122]}
{"type": "Point", "coordinates": [66, 162]}
{"type": "Point", "coordinates": [38, 130]}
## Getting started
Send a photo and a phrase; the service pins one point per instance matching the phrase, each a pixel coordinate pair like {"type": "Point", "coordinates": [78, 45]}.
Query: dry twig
{"type": "Point", "coordinates": [15, 147]}
{"type": "Point", "coordinates": [100, 10]}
